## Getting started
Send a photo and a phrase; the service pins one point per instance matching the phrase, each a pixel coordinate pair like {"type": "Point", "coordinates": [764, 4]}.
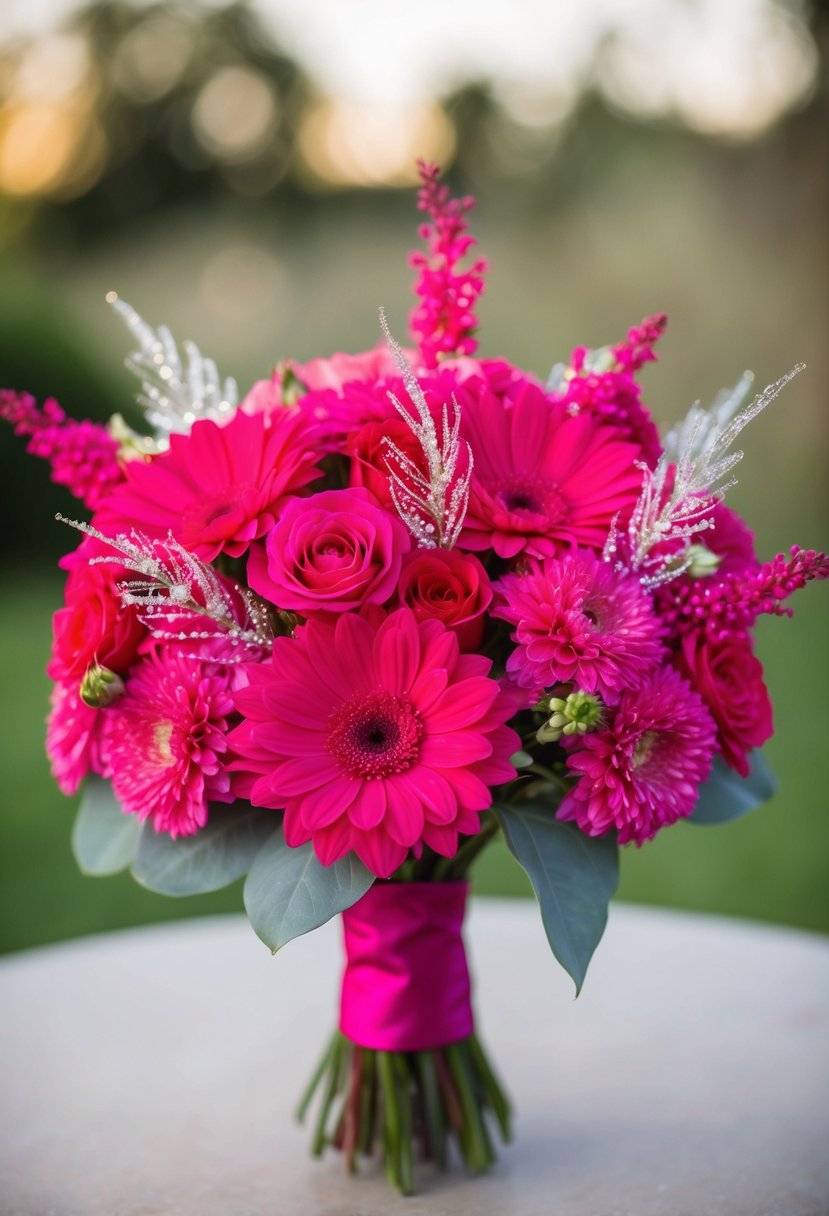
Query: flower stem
{"type": "Point", "coordinates": [389, 1100]}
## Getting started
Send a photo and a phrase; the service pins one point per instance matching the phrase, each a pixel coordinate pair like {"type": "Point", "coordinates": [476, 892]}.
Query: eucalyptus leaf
{"type": "Point", "coordinates": [289, 892]}
{"type": "Point", "coordinates": [216, 856]}
{"type": "Point", "coordinates": [104, 837]}
{"type": "Point", "coordinates": [726, 795]}
{"type": "Point", "coordinates": [573, 876]}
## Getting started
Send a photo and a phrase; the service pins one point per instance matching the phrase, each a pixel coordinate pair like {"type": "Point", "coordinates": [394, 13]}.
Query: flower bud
{"type": "Point", "coordinates": [574, 715]}
{"type": "Point", "coordinates": [291, 388]}
{"type": "Point", "coordinates": [100, 687]}
{"type": "Point", "coordinates": [131, 445]}
{"type": "Point", "coordinates": [702, 562]}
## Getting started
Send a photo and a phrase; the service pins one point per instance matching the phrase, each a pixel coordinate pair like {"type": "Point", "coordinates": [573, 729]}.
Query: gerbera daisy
{"type": "Point", "coordinates": [644, 770]}
{"type": "Point", "coordinates": [543, 479]}
{"type": "Point", "coordinates": [578, 621]}
{"type": "Point", "coordinates": [218, 488]}
{"type": "Point", "coordinates": [376, 735]}
{"type": "Point", "coordinates": [165, 739]}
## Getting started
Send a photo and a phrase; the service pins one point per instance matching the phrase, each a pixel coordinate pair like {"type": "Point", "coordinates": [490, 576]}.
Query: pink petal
{"type": "Point", "coordinates": [369, 805]}
{"type": "Point", "coordinates": [455, 749]}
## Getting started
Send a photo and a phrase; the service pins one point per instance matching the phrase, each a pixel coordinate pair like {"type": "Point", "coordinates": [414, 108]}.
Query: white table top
{"type": "Point", "coordinates": [154, 1072]}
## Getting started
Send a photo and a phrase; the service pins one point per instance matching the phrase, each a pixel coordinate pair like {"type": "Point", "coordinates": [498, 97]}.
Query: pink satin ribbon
{"type": "Point", "coordinates": [406, 981]}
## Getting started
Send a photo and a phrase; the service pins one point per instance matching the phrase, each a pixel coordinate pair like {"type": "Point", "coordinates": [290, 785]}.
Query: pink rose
{"type": "Point", "coordinates": [729, 679]}
{"type": "Point", "coordinates": [451, 587]}
{"type": "Point", "coordinates": [94, 626]}
{"type": "Point", "coordinates": [330, 553]}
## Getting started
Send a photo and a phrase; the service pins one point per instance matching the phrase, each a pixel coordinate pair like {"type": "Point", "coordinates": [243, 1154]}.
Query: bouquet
{"type": "Point", "coordinates": [339, 635]}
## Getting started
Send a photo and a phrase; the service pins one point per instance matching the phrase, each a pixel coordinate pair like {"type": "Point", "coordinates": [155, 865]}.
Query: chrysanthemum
{"type": "Point", "coordinates": [165, 741]}
{"type": "Point", "coordinates": [544, 479]}
{"type": "Point", "coordinates": [218, 488]}
{"type": "Point", "coordinates": [578, 621]}
{"type": "Point", "coordinates": [376, 735]}
{"type": "Point", "coordinates": [73, 737]}
{"type": "Point", "coordinates": [644, 770]}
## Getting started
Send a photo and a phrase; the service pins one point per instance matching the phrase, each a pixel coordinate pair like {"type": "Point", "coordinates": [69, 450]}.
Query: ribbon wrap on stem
{"type": "Point", "coordinates": [406, 983]}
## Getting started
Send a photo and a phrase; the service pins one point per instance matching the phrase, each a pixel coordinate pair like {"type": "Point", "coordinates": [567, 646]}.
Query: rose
{"type": "Point", "coordinates": [729, 679]}
{"type": "Point", "coordinates": [368, 454]}
{"type": "Point", "coordinates": [448, 586]}
{"type": "Point", "coordinates": [330, 553]}
{"type": "Point", "coordinates": [93, 626]}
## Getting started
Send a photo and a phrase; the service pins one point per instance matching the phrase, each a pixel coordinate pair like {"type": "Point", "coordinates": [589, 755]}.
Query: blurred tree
{"type": "Point", "coordinates": [129, 110]}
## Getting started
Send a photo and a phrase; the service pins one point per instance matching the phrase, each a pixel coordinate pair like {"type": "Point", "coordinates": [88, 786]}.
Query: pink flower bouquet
{"type": "Point", "coordinates": [340, 634]}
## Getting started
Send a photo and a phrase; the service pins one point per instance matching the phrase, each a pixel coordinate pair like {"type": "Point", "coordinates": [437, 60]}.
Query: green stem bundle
{"type": "Point", "coordinates": [394, 1102]}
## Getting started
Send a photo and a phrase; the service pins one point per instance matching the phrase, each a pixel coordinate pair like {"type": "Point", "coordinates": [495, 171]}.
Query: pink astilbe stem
{"type": "Point", "coordinates": [637, 347]}
{"type": "Point", "coordinates": [444, 321]}
{"type": "Point", "coordinates": [83, 455]}
{"type": "Point", "coordinates": [732, 605]}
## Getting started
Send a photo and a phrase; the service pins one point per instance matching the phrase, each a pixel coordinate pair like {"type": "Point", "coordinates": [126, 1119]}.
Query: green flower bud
{"type": "Point", "coordinates": [575, 715]}
{"type": "Point", "coordinates": [290, 385]}
{"type": "Point", "coordinates": [100, 687]}
{"type": "Point", "coordinates": [701, 561]}
{"type": "Point", "coordinates": [131, 445]}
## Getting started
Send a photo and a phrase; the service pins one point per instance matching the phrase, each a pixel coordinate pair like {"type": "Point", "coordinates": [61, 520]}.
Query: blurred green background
{"type": "Point", "coordinates": [245, 175]}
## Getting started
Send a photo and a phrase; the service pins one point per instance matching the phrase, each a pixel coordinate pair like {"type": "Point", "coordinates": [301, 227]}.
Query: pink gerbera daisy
{"type": "Point", "coordinates": [578, 621]}
{"type": "Point", "coordinates": [165, 741]}
{"type": "Point", "coordinates": [376, 735]}
{"type": "Point", "coordinates": [644, 770]}
{"type": "Point", "coordinates": [543, 478]}
{"type": "Point", "coordinates": [219, 488]}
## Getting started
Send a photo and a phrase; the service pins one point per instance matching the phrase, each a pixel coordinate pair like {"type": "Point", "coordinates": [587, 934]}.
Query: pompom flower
{"type": "Point", "coordinates": [165, 740]}
{"type": "Point", "coordinates": [544, 479]}
{"type": "Point", "coordinates": [73, 737]}
{"type": "Point", "coordinates": [644, 770]}
{"type": "Point", "coordinates": [219, 488]}
{"type": "Point", "coordinates": [578, 621]}
{"type": "Point", "coordinates": [376, 735]}
{"type": "Point", "coordinates": [330, 553]}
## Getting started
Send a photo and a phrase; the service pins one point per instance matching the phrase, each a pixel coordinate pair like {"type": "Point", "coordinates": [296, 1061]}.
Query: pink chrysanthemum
{"type": "Point", "coordinates": [578, 621]}
{"type": "Point", "coordinates": [165, 742]}
{"type": "Point", "coordinates": [643, 771]}
{"type": "Point", "coordinates": [376, 735]}
{"type": "Point", "coordinates": [73, 737]}
{"type": "Point", "coordinates": [83, 455]}
{"type": "Point", "coordinates": [219, 488]}
{"type": "Point", "coordinates": [543, 480]}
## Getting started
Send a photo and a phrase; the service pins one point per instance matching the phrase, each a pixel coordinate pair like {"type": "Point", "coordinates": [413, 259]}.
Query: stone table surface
{"type": "Point", "coordinates": [154, 1072]}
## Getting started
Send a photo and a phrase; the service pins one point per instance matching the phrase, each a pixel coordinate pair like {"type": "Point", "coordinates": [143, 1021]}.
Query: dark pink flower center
{"type": "Point", "coordinates": [533, 496]}
{"type": "Point", "coordinates": [375, 734]}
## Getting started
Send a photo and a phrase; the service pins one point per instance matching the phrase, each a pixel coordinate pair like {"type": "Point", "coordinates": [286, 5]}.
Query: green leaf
{"type": "Point", "coordinates": [726, 795]}
{"type": "Point", "coordinates": [573, 876]}
{"type": "Point", "coordinates": [104, 837]}
{"type": "Point", "coordinates": [288, 891]}
{"type": "Point", "coordinates": [216, 856]}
